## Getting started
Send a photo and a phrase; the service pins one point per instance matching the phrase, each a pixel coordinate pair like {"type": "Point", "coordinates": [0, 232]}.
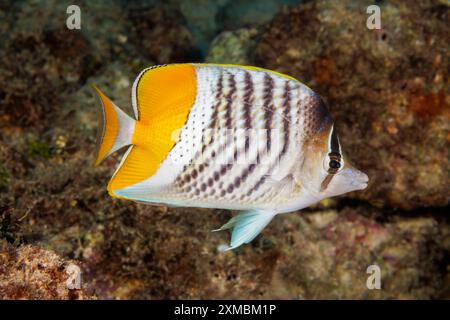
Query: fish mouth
{"type": "Point", "coordinates": [358, 179]}
{"type": "Point", "coordinates": [362, 181]}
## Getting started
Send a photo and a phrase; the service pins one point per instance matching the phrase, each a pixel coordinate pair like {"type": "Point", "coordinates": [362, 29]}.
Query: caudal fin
{"type": "Point", "coordinates": [162, 97]}
{"type": "Point", "coordinates": [117, 128]}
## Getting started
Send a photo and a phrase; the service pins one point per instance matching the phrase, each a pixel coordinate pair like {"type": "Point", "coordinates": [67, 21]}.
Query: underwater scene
{"type": "Point", "coordinates": [96, 204]}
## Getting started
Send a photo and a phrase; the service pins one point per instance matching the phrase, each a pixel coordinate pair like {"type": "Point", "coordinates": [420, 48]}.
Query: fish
{"type": "Point", "coordinates": [225, 137]}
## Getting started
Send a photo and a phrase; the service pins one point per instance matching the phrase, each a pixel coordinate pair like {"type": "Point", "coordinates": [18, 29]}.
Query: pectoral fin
{"type": "Point", "coordinates": [284, 185]}
{"type": "Point", "coordinates": [246, 226]}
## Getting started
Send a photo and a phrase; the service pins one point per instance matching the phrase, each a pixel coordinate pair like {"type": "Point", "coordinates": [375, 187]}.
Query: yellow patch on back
{"type": "Point", "coordinates": [165, 96]}
{"type": "Point", "coordinates": [164, 91]}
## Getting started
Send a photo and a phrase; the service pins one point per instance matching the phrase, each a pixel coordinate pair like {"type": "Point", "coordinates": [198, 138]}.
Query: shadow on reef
{"type": "Point", "coordinates": [387, 90]}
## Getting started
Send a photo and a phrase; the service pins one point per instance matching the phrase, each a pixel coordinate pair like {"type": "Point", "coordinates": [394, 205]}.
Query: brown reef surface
{"type": "Point", "coordinates": [30, 272]}
{"type": "Point", "coordinates": [387, 90]}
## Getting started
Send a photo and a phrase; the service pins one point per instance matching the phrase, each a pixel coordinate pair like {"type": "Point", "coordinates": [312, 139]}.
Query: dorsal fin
{"type": "Point", "coordinates": [160, 91]}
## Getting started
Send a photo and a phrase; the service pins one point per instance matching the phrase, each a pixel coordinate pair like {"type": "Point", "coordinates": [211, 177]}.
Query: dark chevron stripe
{"type": "Point", "coordinates": [256, 186]}
{"type": "Point", "coordinates": [268, 106]}
{"type": "Point", "coordinates": [229, 119]}
{"type": "Point", "coordinates": [214, 116]}
{"type": "Point", "coordinates": [230, 97]}
{"type": "Point", "coordinates": [286, 129]}
{"type": "Point", "coordinates": [219, 92]}
{"type": "Point", "coordinates": [238, 180]}
{"type": "Point", "coordinates": [286, 117]}
{"type": "Point", "coordinates": [248, 171]}
{"type": "Point", "coordinates": [228, 125]}
{"type": "Point", "coordinates": [185, 178]}
{"type": "Point", "coordinates": [268, 110]}
{"type": "Point", "coordinates": [224, 167]}
{"type": "Point", "coordinates": [248, 101]}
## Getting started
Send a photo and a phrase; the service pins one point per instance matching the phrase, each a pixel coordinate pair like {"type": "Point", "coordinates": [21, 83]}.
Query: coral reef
{"type": "Point", "coordinates": [33, 273]}
{"type": "Point", "coordinates": [329, 257]}
{"type": "Point", "coordinates": [201, 17]}
{"type": "Point", "coordinates": [233, 47]}
{"type": "Point", "coordinates": [387, 90]}
{"type": "Point", "coordinates": [51, 61]}
{"type": "Point", "coordinates": [167, 39]}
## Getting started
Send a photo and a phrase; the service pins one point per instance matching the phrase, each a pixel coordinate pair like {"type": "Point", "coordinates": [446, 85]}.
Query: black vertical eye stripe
{"type": "Point", "coordinates": [326, 182]}
{"type": "Point", "coordinates": [334, 142]}
{"type": "Point", "coordinates": [334, 153]}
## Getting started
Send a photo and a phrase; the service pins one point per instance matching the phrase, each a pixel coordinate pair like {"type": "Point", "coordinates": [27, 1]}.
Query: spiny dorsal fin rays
{"type": "Point", "coordinates": [164, 90]}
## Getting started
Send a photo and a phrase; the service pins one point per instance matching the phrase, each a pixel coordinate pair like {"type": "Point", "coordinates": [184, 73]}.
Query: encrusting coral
{"type": "Point", "coordinates": [30, 272]}
{"type": "Point", "coordinates": [387, 90]}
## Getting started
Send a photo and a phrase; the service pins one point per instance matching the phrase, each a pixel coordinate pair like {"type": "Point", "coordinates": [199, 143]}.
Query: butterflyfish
{"type": "Point", "coordinates": [228, 137]}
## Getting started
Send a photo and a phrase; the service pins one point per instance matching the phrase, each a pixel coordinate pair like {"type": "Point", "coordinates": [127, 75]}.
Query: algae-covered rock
{"type": "Point", "coordinates": [387, 89]}
{"type": "Point", "coordinates": [202, 20]}
{"type": "Point", "coordinates": [329, 253]}
{"type": "Point", "coordinates": [233, 47]}
{"type": "Point", "coordinates": [248, 13]}
{"type": "Point", "coordinates": [159, 32]}
{"type": "Point", "coordinates": [43, 61]}
{"type": "Point", "coordinates": [156, 253]}
{"type": "Point", "coordinates": [29, 272]}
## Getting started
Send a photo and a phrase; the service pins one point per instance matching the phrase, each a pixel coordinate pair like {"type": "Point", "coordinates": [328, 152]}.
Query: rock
{"type": "Point", "coordinates": [330, 262]}
{"type": "Point", "coordinates": [52, 197]}
{"type": "Point", "coordinates": [247, 13]}
{"type": "Point", "coordinates": [145, 252]}
{"type": "Point", "coordinates": [42, 60]}
{"type": "Point", "coordinates": [115, 81]}
{"type": "Point", "coordinates": [202, 20]}
{"type": "Point", "coordinates": [159, 33]}
{"type": "Point", "coordinates": [233, 47]}
{"type": "Point", "coordinates": [29, 272]}
{"type": "Point", "coordinates": [387, 89]}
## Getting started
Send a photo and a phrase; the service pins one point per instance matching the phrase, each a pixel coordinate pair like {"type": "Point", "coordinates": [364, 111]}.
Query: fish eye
{"type": "Point", "coordinates": [334, 164]}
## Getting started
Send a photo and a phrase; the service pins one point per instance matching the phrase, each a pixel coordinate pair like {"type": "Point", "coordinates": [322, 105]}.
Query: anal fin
{"type": "Point", "coordinates": [246, 226]}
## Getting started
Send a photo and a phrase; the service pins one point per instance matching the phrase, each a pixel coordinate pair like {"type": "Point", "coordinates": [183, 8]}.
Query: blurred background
{"type": "Point", "coordinates": [387, 89]}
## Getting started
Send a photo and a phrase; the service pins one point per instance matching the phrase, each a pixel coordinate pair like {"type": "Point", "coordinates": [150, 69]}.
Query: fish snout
{"type": "Point", "coordinates": [357, 179]}
{"type": "Point", "coordinates": [363, 180]}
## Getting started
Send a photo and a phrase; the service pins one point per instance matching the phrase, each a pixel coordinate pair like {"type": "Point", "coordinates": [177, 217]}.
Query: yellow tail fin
{"type": "Point", "coordinates": [117, 131]}
{"type": "Point", "coordinates": [162, 98]}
